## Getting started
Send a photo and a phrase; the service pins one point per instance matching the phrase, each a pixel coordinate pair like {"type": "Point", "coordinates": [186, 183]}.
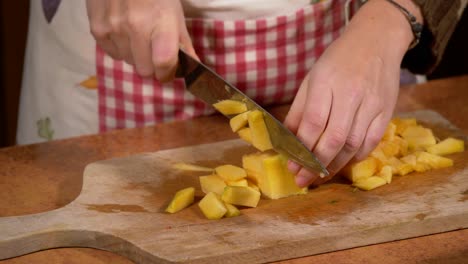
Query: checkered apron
{"type": "Point", "coordinates": [265, 58]}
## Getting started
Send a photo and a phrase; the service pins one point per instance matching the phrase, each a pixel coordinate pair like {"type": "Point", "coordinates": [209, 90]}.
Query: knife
{"type": "Point", "coordinates": [211, 88]}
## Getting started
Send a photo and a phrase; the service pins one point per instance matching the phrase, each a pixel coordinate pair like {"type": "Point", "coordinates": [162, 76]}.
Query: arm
{"type": "Point", "coordinates": [347, 99]}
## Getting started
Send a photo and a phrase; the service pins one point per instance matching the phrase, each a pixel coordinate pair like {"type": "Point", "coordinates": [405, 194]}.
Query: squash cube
{"type": "Point", "coordinates": [434, 161]}
{"type": "Point", "coordinates": [403, 123]}
{"type": "Point", "coordinates": [253, 165]}
{"type": "Point", "coordinates": [277, 182]}
{"type": "Point", "coordinates": [361, 170]}
{"type": "Point", "coordinates": [241, 195]}
{"type": "Point", "coordinates": [386, 173]}
{"type": "Point", "coordinates": [212, 206]}
{"type": "Point", "coordinates": [253, 185]}
{"type": "Point", "coordinates": [231, 210]}
{"type": "Point", "coordinates": [241, 182]}
{"type": "Point", "coordinates": [259, 131]}
{"type": "Point", "coordinates": [191, 167]}
{"type": "Point", "coordinates": [447, 146]}
{"type": "Point", "coordinates": [389, 132]}
{"type": "Point", "coordinates": [370, 183]}
{"type": "Point", "coordinates": [230, 172]}
{"type": "Point", "coordinates": [230, 107]}
{"type": "Point", "coordinates": [399, 167]}
{"type": "Point", "coordinates": [245, 134]}
{"type": "Point", "coordinates": [182, 199]}
{"type": "Point", "coordinates": [212, 183]}
{"type": "Point", "coordinates": [418, 137]}
{"type": "Point", "coordinates": [239, 121]}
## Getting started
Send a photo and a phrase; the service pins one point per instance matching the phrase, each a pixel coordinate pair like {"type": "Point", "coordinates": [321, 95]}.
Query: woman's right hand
{"type": "Point", "coordinates": [144, 33]}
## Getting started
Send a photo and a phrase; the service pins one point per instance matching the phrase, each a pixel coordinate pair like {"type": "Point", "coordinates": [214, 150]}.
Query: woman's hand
{"type": "Point", "coordinates": [346, 101]}
{"type": "Point", "coordinates": [144, 33]}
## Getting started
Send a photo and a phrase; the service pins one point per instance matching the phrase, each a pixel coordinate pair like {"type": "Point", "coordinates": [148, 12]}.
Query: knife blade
{"type": "Point", "coordinates": [211, 88]}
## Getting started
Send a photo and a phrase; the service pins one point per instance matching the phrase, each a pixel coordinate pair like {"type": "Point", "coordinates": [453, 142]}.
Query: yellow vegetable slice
{"type": "Point", "coordinates": [232, 211]}
{"type": "Point", "coordinates": [259, 131]}
{"type": "Point", "coordinates": [190, 167]}
{"type": "Point", "coordinates": [182, 199]}
{"type": "Point", "coordinates": [370, 183]}
{"type": "Point", "coordinates": [212, 183]}
{"type": "Point", "coordinates": [390, 132]}
{"type": "Point", "coordinates": [253, 185]}
{"type": "Point", "coordinates": [245, 134]}
{"type": "Point", "coordinates": [241, 195]}
{"type": "Point", "coordinates": [434, 161]}
{"type": "Point", "coordinates": [399, 167]}
{"type": "Point", "coordinates": [241, 182]}
{"type": "Point", "coordinates": [253, 165]}
{"type": "Point", "coordinates": [212, 206]}
{"type": "Point", "coordinates": [230, 107]}
{"type": "Point", "coordinates": [418, 137]}
{"type": "Point", "coordinates": [447, 146]}
{"type": "Point", "coordinates": [239, 121]}
{"type": "Point", "coordinates": [230, 172]}
{"type": "Point", "coordinates": [386, 173]}
{"type": "Point", "coordinates": [403, 123]}
{"type": "Point", "coordinates": [277, 182]}
{"type": "Point", "coordinates": [361, 170]}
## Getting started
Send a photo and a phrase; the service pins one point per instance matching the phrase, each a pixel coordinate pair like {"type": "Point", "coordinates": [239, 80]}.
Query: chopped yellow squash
{"type": "Point", "coordinates": [434, 161]}
{"type": "Point", "coordinates": [447, 146]}
{"type": "Point", "coordinates": [245, 134]}
{"type": "Point", "coordinates": [277, 182]}
{"type": "Point", "coordinates": [191, 167]}
{"type": "Point", "coordinates": [231, 210]}
{"type": "Point", "coordinates": [253, 165]}
{"type": "Point", "coordinates": [361, 170]}
{"type": "Point", "coordinates": [230, 172]}
{"type": "Point", "coordinates": [212, 206]}
{"type": "Point", "coordinates": [253, 185]}
{"type": "Point", "coordinates": [390, 148]}
{"type": "Point", "coordinates": [389, 132]}
{"type": "Point", "coordinates": [241, 195]}
{"type": "Point", "coordinates": [241, 182]}
{"type": "Point", "coordinates": [418, 137]}
{"type": "Point", "coordinates": [182, 199]}
{"type": "Point", "coordinates": [259, 131]}
{"type": "Point", "coordinates": [239, 121]}
{"type": "Point", "coordinates": [403, 123]}
{"type": "Point", "coordinates": [230, 107]}
{"type": "Point", "coordinates": [212, 183]}
{"type": "Point", "coordinates": [399, 167]}
{"type": "Point", "coordinates": [370, 183]}
{"type": "Point", "coordinates": [386, 173]}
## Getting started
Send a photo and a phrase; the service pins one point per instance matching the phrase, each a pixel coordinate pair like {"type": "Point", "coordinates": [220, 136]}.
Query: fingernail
{"type": "Point", "coordinates": [293, 167]}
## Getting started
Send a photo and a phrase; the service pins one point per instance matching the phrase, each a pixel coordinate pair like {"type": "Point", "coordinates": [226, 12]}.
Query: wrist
{"type": "Point", "coordinates": [383, 25]}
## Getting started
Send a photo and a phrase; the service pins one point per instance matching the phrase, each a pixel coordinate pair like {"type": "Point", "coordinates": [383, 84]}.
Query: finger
{"type": "Point", "coordinates": [165, 46]}
{"type": "Point", "coordinates": [118, 31]}
{"type": "Point", "coordinates": [374, 135]}
{"type": "Point", "coordinates": [186, 43]}
{"type": "Point", "coordinates": [370, 108]}
{"type": "Point", "coordinates": [140, 48]}
{"type": "Point", "coordinates": [294, 116]}
{"type": "Point", "coordinates": [100, 27]}
{"type": "Point", "coordinates": [343, 110]}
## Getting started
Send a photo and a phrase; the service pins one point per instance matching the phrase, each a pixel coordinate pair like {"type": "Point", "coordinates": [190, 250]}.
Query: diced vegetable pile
{"type": "Point", "coordinates": [405, 147]}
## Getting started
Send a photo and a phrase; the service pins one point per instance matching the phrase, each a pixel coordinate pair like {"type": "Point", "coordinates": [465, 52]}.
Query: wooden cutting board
{"type": "Point", "coordinates": [120, 209]}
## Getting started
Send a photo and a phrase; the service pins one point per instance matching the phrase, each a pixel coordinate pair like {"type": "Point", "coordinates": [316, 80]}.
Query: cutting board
{"type": "Point", "coordinates": [121, 209]}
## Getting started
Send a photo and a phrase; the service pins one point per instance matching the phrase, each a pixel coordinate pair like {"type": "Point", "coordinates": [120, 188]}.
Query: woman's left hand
{"type": "Point", "coordinates": [347, 99]}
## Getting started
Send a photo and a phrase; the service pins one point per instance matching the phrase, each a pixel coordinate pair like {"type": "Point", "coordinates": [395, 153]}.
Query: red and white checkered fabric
{"type": "Point", "coordinates": [265, 58]}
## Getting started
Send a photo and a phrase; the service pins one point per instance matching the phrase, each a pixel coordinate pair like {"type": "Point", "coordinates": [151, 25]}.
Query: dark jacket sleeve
{"type": "Point", "coordinates": [440, 20]}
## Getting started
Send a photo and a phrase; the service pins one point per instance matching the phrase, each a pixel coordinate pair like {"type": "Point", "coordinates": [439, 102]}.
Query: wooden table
{"type": "Point", "coordinates": [42, 177]}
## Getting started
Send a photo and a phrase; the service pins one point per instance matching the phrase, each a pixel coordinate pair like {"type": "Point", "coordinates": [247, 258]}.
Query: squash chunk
{"type": "Point", "coordinates": [241, 182]}
{"type": "Point", "coordinates": [361, 170]}
{"type": "Point", "coordinates": [182, 199]}
{"type": "Point", "coordinates": [231, 210]}
{"type": "Point", "coordinates": [212, 206]}
{"type": "Point", "coordinates": [447, 146]}
{"type": "Point", "coordinates": [260, 135]}
{"type": "Point", "coordinates": [434, 161]}
{"type": "Point", "coordinates": [277, 182]}
{"type": "Point", "coordinates": [403, 123]}
{"type": "Point", "coordinates": [390, 132]}
{"type": "Point", "coordinates": [418, 137]}
{"type": "Point", "coordinates": [191, 167]}
{"type": "Point", "coordinates": [386, 173]}
{"type": "Point", "coordinates": [230, 172]}
{"type": "Point", "coordinates": [239, 121]}
{"type": "Point", "coordinates": [212, 183]}
{"type": "Point", "coordinates": [241, 195]}
{"type": "Point", "coordinates": [245, 134]}
{"type": "Point", "coordinates": [370, 183]}
{"type": "Point", "coordinates": [230, 107]}
{"type": "Point", "coordinates": [253, 165]}
{"type": "Point", "coordinates": [253, 185]}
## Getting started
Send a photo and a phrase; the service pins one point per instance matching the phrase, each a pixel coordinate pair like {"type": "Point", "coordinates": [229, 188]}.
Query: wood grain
{"type": "Point", "coordinates": [121, 203]}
